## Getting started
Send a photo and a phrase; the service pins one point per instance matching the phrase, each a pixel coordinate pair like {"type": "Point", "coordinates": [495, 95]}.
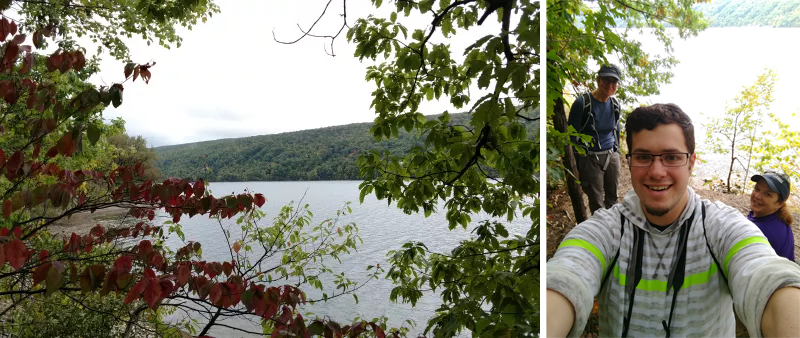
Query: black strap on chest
{"type": "Point", "coordinates": [677, 274]}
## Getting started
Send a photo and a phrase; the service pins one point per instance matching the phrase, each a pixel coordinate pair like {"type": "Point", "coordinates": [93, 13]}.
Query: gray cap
{"type": "Point", "coordinates": [610, 70]}
{"type": "Point", "coordinates": [777, 181]}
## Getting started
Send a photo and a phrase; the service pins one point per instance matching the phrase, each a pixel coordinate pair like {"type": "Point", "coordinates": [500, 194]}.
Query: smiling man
{"type": "Point", "coordinates": [664, 263]}
{"type": "Point", "coordinates": [596, 114]}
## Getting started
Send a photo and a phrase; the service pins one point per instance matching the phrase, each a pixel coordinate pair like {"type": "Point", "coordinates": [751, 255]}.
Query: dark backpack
{"type": "Point", "coordinates": [679, 271]}
{"type": "Point", "coordinates": [588, 114]}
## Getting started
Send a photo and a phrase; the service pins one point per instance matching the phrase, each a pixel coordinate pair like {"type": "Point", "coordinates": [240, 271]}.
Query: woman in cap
{"type": "Point", "coordinates": [769, 212]}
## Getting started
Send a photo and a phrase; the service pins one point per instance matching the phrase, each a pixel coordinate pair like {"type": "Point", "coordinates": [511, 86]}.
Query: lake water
{"type": "Point", "coordinates": [381, 227]}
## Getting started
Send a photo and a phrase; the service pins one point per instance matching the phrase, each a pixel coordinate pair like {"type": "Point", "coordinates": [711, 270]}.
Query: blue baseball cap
{"type": "Point", "coordinates": [777, 182]}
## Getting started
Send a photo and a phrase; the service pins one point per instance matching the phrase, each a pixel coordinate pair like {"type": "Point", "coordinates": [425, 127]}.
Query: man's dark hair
{"type": "Point", "coordinates": [655, 115]}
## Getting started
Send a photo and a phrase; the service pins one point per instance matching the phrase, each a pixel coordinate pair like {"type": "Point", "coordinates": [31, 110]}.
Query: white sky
{"type": "Point", "coordinates": [230, 79]}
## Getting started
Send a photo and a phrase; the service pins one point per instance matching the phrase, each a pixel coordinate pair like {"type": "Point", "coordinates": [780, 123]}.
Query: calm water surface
{"type": "Point", "coordinates": [381, 227]}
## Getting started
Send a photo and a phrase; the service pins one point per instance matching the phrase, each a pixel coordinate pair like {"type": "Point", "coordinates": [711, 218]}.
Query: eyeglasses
{"type": "Point", "coordinates": [667, 159]}
{"type": "Point", "coordinates": [610, 80]}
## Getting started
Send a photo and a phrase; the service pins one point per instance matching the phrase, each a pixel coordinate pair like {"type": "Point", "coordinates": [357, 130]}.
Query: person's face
{"type": "Point", "coordinates": [607, 85]}
{"type": "Point", "coordinates": [661, 189]}
{"type": "Point", "coordinates": [764, 201]}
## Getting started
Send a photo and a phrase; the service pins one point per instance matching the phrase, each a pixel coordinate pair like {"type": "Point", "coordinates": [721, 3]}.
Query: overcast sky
{"type": "Point", "coordinates": [230, 78]}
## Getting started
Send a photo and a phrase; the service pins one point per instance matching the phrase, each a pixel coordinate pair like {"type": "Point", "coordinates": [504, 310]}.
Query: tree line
{"type": "Point", "coordinates": [329, 153]}
{"type": "Point", "coordinates": [741, 13]}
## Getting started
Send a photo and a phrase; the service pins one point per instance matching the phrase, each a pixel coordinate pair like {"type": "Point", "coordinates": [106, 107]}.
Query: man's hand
{"type": "Point", "coordinates": [781, 317]}
{"type": "Point", "coordinates": [560, 314]}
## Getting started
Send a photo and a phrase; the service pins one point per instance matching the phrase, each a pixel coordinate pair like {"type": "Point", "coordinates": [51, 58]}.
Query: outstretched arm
{"type": "Point", "coordinates": [781, 316]}
{"type": "Point", "coordinates": [560, 314]}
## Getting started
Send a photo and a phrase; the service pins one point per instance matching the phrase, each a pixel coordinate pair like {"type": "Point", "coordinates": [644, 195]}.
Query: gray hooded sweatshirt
{"type": "Point", "coordinates": [703, 304]}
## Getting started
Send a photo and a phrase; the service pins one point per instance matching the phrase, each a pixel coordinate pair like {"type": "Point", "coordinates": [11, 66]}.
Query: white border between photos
{"type": "Point", "coordinates": [542, 167]}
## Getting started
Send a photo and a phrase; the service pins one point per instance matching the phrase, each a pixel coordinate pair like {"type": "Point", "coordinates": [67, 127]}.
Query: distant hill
{"type": "Point", "coordinates": [308, 155]}
{"type": "Point", "coordinates": [741, 13]}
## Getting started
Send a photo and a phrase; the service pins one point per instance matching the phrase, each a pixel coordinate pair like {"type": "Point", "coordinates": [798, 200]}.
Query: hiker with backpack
{"type": "Point", "coordinates": [597, 114]}
{"type": "Point", "coordinates": [768, 211]}
{"type": "Point", "coordinates": [664, 262]}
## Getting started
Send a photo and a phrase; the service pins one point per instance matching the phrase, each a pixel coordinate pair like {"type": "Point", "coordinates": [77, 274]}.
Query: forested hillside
{"type": "Point", "coordinates": [738, 13]}
{"type": "Point", "coordinates": [317, 154]}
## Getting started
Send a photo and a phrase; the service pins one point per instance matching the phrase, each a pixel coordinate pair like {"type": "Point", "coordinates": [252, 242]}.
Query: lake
{"type": "Point", "coordinates": [381, 227]}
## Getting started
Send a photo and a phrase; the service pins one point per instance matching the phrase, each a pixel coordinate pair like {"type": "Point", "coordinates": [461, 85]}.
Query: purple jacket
{"type": "Point", "coordinates": [778, 233]}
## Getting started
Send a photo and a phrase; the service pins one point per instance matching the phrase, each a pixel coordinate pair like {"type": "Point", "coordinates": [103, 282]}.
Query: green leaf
{"type": "Point", "coordinates": [53, 281]}
{"type": "Point", "coordinates": [93, 132]}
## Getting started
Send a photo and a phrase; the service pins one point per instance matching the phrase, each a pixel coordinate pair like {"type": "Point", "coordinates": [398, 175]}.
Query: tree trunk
{"type": "Point", "coordinates": [733, 156]}
{"type": "Point", "coordinates": [560, 123]}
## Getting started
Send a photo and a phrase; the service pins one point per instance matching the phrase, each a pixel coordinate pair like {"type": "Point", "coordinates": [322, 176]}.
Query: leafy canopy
{"type": "Point", "coordinates": [487, 165]}
{"type": "Point", "coordinates": [582, 35]}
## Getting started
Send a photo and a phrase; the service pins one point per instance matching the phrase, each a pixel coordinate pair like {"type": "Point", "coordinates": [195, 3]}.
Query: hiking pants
{"type": "Point", "coordinates": [598, 184]}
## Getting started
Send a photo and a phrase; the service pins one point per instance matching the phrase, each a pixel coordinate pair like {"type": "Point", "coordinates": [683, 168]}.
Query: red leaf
{"type": "Point", "coordinates": [145, 75]}
{"type": "Point", "coordinates": [12, 28]}
{"type": "Point", "coordinates": [148, 273]}
{"type": "Point", "coordinates": [135, 291]}
{"type": "Point", "coordinates": [27, 64]}
{"type": "Point", "coordinates": [80, 61]}
{"type": "Point", "coordinates": [151, 215]}
{"type": "Point", "coordinates": [227, 268]}
{"type": "Point", "coordinates": [11, 53]}
{"type": "Point", "coordinates": [259, 200]}
{"type": "Point", "coordinates": [152, 295]}
{"type": "Point", "coordinates": [52, 152]}
{"type": "Point", "coordinates": [16, 253]}
{"type": "Point", "coordinates": [40, 273]}
{"type": "Point", "coordinates": [157, 260]}
{"type": "Point", "coordinates": [183, 274]}
{"type": "Point", "coordinates": [2, 255]}
{"type": "Point", "coordinates": [18, 39]}
{"type": "Point", "coordinates": [7, 208]}
{"type": "Point", "coordinates": [216, 294]}
{"type": "Point", "coordinates": [38, 39]}
{"type": "Point", "coordinates": [65, 144]}
{"type": "Point", "coordinates": [145, 247]}
{"type": "Point", "coordinates": [54, 61]}
{"type": "Point", "coordinates": [98, 230]}
{"type": "Point", "coordinates": [124, 264]}
{"type": "Point", "coordinates": [199, 188]}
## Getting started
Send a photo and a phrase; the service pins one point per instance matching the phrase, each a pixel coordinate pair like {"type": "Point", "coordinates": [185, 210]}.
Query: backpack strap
{"type": "Point", "coordinates": [587, 110]}
{"type": "Point", "coordinates": [616, 109]}
{"type": "Point", "coordinates": [719, 267]}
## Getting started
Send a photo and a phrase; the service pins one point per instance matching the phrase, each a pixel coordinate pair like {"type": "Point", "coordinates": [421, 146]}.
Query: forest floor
{"type": "Point", "coordinates": [561, 219]}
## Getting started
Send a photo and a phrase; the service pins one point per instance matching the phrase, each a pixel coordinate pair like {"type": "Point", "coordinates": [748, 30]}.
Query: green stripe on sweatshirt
{"type": "Point", "coordinates": [739, 245]}
{"type": "Point", "coordinates": [588, 246]}
{"type": "Point", "coordinates": [657, 285]}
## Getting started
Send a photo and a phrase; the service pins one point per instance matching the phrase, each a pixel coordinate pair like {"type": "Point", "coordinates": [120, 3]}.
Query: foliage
{"type": "Point", "coordinates": [739, 13]}
{"type": "Point", "coordinates": [780, 149]}
{"type": "Point", "coordinates": [106, 22]}
{"type": "Point", "coordinates": [128, 273]}
{"type": "Point", "coordinates": [129, 150]}
{"type": "Point", "coordinates": [498, 300]}
{"type": "Point", "coordinates": [737, 131]}
{"type": "Point", "coordinates": [487, 165]}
